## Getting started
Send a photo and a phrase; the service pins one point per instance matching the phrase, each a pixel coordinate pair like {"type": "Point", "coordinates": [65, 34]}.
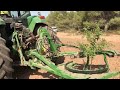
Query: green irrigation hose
{"type": "Point", "coordinates": [108, 53]}
{"type": "Point", "coordinates": [70, 67]}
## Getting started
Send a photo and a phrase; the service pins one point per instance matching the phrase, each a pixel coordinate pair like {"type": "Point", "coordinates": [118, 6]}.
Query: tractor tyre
{"type": "Point", "coordinates": [5, 61]}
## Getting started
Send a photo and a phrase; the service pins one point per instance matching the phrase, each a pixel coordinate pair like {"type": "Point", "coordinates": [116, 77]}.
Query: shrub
{"type": "Point", "coordinates": [114, 23]}
{"type": "Point", "coordinates": [89, 25]}
{"type": "Point", "coordinates": [101, 23]}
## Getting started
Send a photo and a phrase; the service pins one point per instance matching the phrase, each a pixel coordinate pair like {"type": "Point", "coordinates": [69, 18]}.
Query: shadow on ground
{"type": "Point", "coordinates": [26, 72]}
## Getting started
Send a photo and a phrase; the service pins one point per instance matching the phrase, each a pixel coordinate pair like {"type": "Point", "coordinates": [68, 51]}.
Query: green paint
{"type": "Point", "coordinates": [18, 46]}
{"type": "Point", "coordinates": [44, 68]}
{"type": "Point", "coordinates": [33, 20]}
{"type": "Point", "coordinates": [106, 62]}
{"type": "Point", "coordinates": [68, 53]}
{"type": "Point", "coordinates": [110, 75]}
{"type": "Point", "coordinates": [2, 22]}
{"type": "Point", "coordinates": [42, 32]}
{"type": "Point", "coordinates": [52, 66]}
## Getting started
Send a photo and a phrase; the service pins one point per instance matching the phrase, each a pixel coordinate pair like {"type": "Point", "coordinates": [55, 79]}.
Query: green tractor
{"type": "Point", "coordinates": [35, 46]}
{"type": "Point", "coordinates": [28, 41]}
{"type": "Point", "coordinates": [6, 61]}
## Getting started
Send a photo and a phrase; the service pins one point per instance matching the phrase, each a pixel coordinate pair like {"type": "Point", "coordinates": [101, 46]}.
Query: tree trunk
{"type": "Point", "coordinates": [106, 27]}
{"type": "Point", "coordinates": [87, 64]}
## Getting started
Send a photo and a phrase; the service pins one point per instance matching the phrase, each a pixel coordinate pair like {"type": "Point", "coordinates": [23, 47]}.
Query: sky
{"type": "Point", "coordinates": [44, 13]}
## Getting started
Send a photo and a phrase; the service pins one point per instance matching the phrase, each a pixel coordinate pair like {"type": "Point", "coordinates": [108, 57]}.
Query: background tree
{"type": "Point", "coordinates": [77, 20]}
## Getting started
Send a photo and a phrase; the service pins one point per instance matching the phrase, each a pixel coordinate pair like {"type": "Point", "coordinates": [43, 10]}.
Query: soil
{"type": "Point", "coordinates": [67, 38]}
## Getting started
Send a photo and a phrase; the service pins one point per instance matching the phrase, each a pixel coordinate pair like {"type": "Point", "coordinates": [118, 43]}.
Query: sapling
{"type": "Point", "coordinates": [94, 44]}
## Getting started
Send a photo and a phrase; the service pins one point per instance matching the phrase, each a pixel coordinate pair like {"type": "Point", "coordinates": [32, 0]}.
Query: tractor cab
{"type": "Point", "coordinates": [20, 16]}
{"type": "Point", "coordinates": [32, 22]}
{"type": "Point", "coordinates": [7, 21]}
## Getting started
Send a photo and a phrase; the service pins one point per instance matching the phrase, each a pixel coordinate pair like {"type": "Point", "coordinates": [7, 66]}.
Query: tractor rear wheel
{"type": "Point", "coordinates": [5, 61]}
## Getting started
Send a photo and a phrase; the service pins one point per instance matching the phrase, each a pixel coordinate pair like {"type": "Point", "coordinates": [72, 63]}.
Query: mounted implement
{"type": "Point", "coordinates": [38, 47]}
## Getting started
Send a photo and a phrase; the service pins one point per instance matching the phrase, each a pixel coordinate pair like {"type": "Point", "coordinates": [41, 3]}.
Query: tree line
{"type": "Point", "coordinates": [78, 20]}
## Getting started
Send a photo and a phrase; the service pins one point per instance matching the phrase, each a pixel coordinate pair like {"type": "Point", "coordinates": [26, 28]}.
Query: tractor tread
{"type": "Point", "coordinates": [5, 61]}
{"type": "Point", "coordinates": [6, 57]}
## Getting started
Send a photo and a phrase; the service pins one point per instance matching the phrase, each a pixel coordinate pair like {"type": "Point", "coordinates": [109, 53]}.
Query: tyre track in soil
{"type": "Point", "coordinates": [114, 63]}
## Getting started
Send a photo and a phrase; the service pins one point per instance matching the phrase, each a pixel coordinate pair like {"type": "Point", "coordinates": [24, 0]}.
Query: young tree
{"type": "Point", "coordinates": [95, 44]}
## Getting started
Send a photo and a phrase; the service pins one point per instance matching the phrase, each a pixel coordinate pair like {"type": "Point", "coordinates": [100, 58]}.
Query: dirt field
{"type": "Point", "coordinates": [114, 63]}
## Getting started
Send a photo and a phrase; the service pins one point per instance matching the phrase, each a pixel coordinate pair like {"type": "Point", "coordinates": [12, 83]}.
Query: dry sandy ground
{"type": "Point", "coordinates": [114, 62]}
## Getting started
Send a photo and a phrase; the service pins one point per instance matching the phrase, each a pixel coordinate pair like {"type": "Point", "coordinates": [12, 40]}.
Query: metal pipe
{"type": "Point", "coordinates": [52, 66]}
